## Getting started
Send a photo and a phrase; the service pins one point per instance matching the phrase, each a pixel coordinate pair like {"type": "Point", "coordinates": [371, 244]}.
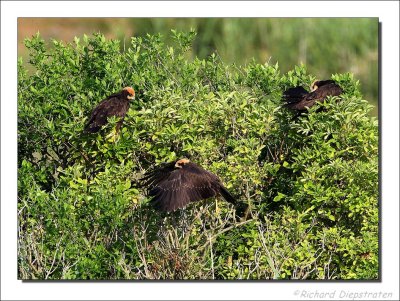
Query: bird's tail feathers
{"type": "Point", "coordinates": [227, 196]}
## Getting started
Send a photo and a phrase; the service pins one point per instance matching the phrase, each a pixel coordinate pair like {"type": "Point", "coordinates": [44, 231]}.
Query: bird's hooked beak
{"type": "Point", "coordinates": [131, 97]}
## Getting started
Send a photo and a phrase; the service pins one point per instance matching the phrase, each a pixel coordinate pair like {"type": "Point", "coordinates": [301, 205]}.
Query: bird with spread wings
{"type": "Point", "coordinates": [176, 184]}
{"type": "Point", "coordinates": [299, 99]}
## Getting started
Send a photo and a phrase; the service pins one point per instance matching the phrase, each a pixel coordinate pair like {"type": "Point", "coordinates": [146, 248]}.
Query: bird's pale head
{"type": "Point", "coordinates": [318, 83]}
{"type": "Point", "coordinates": [181, 162]}
{"type": "Point", "coordinates": [314, 85]}
{"type": "Point", "coordinates": [130, 92]}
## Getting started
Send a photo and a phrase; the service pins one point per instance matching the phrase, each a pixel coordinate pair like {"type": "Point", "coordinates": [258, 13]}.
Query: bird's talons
{"type": "Point", "coordinates": [113, 137]}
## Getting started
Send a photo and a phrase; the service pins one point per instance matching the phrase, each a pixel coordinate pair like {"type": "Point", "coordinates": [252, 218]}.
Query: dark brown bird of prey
{"type": "Point", "coordinates": [179, 183]}
{"type": "Point", "coordinates": [115, 105]}
{"type": "Point", "coordinates": [299, 99]}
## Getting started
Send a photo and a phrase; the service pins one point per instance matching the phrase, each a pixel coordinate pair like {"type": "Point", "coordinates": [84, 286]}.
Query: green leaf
{"type": "Point", "coordinates": [279, 197]}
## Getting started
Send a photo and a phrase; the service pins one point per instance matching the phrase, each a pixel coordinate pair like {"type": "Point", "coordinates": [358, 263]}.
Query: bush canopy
{"type": "Point", "coordinates": [311, 180]}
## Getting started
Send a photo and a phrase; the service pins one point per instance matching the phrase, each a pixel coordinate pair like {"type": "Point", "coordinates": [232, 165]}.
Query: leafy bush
{"type": "Point", "coordinates": [311, 180]}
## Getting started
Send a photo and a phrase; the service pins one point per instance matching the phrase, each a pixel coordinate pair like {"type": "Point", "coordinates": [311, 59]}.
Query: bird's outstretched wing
{"type": "Point", "coordinates": [320, 94]}
{"type": "Point", "coordinates": [172, 188]}
{"type": "Point", "coordinates": [293, 95]}
{"type": "Point", "coordinates": [299, 99]}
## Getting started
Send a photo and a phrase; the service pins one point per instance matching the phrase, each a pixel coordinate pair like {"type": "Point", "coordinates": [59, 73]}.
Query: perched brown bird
{"type": "Point", "coordinates": [299, 99]}
{"type": "Point", "coordinates": [179, 183]}
{"type": "Point", "coordinates": [115, 105]}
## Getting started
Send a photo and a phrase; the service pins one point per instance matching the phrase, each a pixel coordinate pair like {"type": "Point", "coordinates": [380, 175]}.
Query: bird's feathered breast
{"type": "Point", "coordinates": [114, 105]}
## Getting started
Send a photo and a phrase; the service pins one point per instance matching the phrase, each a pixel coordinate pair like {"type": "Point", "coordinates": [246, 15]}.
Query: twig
{"type": "Point", "coordinates": [212, 257]}
{"type": "Point", "coordinates": [270, 259]}
{"type": "Point", "coordinates": [54, 259]}
{"type": "Point", "coordinates": [225, 230]}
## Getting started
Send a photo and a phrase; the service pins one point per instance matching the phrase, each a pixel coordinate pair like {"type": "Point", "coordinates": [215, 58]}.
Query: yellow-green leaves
{"type": "Point", "coordinates": [311, 181]}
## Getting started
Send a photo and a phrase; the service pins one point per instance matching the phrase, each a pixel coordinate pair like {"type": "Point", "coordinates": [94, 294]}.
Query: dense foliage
{"type": "Point", "coordinates": [311, 180]}
{"type": "Point", "coordinates": [324, 45]}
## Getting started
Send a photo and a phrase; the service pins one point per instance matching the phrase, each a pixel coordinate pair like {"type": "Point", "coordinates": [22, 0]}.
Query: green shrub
{"type": "Point", "coordinates": [311, 180]}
